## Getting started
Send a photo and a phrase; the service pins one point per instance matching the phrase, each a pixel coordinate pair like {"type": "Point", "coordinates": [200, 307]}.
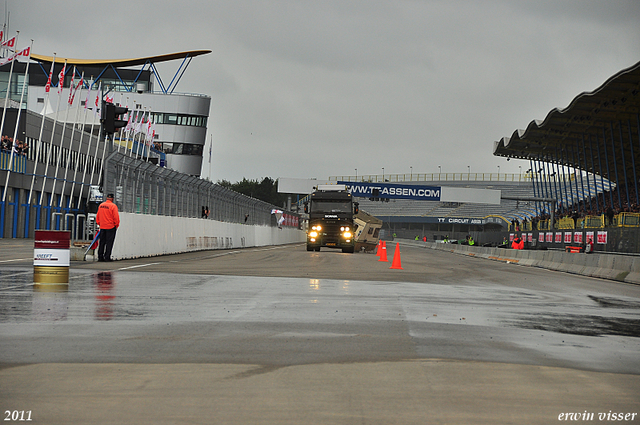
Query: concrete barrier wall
{"type": "Point", "coordinates": [150, 235]}
{"type": "Point", "coordinates": [623, 268]}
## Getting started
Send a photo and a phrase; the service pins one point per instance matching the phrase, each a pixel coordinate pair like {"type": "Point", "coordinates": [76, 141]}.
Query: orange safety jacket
{"type": "Point", "coordinates": [107, 216]}
{"type": "Point", "coordinates": [517, 244]}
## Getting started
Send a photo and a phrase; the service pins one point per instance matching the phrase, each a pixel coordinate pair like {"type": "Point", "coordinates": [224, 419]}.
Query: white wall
{"type": "Point", "coordinates": [149, 235]}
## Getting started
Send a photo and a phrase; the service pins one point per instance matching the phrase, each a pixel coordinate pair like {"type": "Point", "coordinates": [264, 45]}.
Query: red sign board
{"type": "Point", "coordinates": [52, 239]}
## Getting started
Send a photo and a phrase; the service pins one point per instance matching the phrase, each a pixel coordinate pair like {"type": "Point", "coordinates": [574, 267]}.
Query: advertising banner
{"type": "Point", "coordinates": [577, 237]}
{"type": "Point", "coordinates": [393, 191]}
{"type": "Point", "coordinates": [602, 237]}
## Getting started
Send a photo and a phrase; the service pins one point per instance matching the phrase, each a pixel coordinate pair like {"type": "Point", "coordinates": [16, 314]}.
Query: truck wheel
{"type": "Point", "coordinates": [350, 250]}
{"type": "Point", "coordinates": [309, 248]}
{"type": "Point", "coordinates": [318, 249]}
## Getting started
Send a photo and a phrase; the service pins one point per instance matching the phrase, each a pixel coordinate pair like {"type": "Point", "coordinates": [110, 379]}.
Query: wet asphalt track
{"type": "Point", "coordinates": [403, 345]}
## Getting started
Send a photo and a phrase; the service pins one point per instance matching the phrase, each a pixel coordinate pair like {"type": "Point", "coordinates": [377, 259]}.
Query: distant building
{"type": "Point", "coordinates": [180, 119]}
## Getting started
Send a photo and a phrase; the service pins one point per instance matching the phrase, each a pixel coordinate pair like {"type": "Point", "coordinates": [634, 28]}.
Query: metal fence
{"type": "Point", "coordinates": [144, 188]}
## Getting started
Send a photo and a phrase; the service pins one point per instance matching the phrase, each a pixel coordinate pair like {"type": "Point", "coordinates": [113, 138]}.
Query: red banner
{"type": "Point", "coordinates": [52, 239]}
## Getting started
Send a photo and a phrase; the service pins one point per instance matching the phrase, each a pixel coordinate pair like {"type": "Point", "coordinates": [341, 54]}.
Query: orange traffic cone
{"type": "Point", "coordinates": [383, 252]}
{"type": "Point", "coordinates": [396, 264]}
{"type": "Point", "coordinates": [378, 248]}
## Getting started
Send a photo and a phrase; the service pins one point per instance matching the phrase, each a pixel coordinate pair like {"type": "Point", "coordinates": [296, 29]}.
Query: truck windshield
{"type": "Point", "coordinates": [330, 206]}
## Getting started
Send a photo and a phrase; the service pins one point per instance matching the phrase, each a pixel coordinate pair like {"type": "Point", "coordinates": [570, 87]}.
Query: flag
{"type": "Point", "coordinates": [10, 43]}
{"type": "Point", "coordinates": [129, 115]}
{"type": "Point", "coordinates": [61, 77]}
{"type": "Point", "coordinates": [47, 86]}
{"type": "Point", "coordinates": [86, 102]}
{"type": "Point", "coordinates": [97, 106]}
{"type": "Point", "coordinates": [73, 77]}
{"type": "Point", "coordinates": [73, 91]}
{"type": "Point", "coordinates": [8, 59]}
{"type": "Point", "coordinates": [26, 52]}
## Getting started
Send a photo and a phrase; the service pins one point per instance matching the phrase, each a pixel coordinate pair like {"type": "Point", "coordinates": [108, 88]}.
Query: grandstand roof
{"type": "Point", "coordinates": [577, 136]}
{"type": "Point", "coordinates": [122, 62]}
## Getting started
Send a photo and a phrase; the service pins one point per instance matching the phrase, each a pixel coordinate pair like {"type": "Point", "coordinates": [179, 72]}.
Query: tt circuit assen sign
{"type": "Point", "coordinates": [393, 191]}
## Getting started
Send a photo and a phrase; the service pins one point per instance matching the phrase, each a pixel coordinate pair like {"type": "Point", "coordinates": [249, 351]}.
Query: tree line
{"type": "Point", "coordinates": [265, 190]}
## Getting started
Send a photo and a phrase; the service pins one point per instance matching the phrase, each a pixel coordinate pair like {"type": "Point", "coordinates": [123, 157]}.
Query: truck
{"type": "Point", "coordinates": [331, 211]}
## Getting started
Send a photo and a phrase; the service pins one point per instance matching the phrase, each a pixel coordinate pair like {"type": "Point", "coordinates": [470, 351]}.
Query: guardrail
{"type": "Point", "coordinates": [434, 177]}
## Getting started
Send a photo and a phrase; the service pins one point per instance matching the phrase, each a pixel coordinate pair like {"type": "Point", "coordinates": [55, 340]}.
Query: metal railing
{"type": "Point", "coordinates": [144, 188]}
{"type": "Point", "coordinates": [435, 177]}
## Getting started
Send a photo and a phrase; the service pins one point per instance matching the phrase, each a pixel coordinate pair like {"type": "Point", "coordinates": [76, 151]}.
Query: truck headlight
{"type": "Point", "coordinates": [313, 234]}
{"type": "Point", "coordinates": [347, 234]}
{"type": "Point", "coordinates": [318, 228]}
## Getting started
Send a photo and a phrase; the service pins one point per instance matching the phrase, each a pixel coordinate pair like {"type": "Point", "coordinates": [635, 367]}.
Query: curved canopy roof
{"type": "Point", "coordinates": [122, 62]}
{"type": "Point", "coordinates": [597, 132]}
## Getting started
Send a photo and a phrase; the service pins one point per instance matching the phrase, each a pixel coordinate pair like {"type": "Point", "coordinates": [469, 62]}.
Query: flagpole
{"type": "Point", "coordinates": [86, 162]}
{"type": "Point", "coordinates": [119, 134]}
{"type": "Point", "coordinates": [148, 138]}
{"type": "Point", "coordinates": [53, 136]}
{"type": "Point", "coordinates": [105, 138]}
{"type": "Point", "coordinates": [132, 133]}
{"type": "Point", "coordinates": [39, 142]}
{"type": "Point", "coordinates": [64, 129]}
{"type": "Point", "coordinates": [93, 123]}
{"type": "Point", "coordinates": [72, 96]}
{"type": "Point", "coordinates": [15, 130]}
{"type": "Point", "coordinates": [4, 111]}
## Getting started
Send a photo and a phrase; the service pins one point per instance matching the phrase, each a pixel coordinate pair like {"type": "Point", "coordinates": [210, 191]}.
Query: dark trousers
{"type": "Point", "coordinates": [107, 237]}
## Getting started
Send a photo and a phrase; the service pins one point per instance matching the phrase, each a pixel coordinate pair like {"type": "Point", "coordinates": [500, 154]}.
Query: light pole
{"type": "Point", "coordinates": [411, 175]}
{"type": "Point", "coordinates": [520, 176]}
{"type": "Point", "coordinates": [383, 174]}
{"type": "Point", "coordinates": [356, 174]}
{"type": "Point", "coordinates": [439, 170]}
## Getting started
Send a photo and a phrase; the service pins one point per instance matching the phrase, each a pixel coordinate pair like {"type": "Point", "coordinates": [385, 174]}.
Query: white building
{"type": "Point", "coordinates": [180, 119]}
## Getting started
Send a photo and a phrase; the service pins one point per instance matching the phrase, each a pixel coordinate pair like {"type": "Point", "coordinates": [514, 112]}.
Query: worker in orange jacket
{"type": "Point", "coordinates": [517, 243]}
{"type": "Point", "coordinates": [108, 219]}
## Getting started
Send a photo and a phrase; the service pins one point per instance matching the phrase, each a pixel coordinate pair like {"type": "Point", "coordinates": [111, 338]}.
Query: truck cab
{"type": "Point", "coordinates": [331, 210]}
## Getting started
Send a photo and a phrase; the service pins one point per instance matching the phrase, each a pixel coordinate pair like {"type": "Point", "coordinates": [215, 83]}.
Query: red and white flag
{"type": "Point", "coordinates": [26, 52]}
{"type": "Point", "coordinates": [97, 101]}
{"type": "Point", "coordinates": [73, 77]}
{"type": "Point", "coordinates": [10, 43]}
{"type": "Point", "coordinates": [61, 77]}
{"type": "Point", "coordinates": [47, 86]}
{"type": "Point", "coordinates": [72, 93]}
{"type": "Point", "coordinates": [86, 102]}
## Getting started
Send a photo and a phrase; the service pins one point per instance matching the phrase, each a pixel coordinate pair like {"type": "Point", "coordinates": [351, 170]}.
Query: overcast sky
{"type": "Point", "coordinates": [318, 88]}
